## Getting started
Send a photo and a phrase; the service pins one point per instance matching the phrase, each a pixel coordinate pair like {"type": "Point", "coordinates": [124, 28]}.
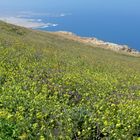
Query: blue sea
{"type": "Point", "coordinates": [116, 21]}
{"type": "Point", "coordinates": [118, 29]}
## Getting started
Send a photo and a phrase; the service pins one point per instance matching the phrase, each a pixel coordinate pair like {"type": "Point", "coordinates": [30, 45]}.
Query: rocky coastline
{"type": "Point", "coordinates": [99, 43]}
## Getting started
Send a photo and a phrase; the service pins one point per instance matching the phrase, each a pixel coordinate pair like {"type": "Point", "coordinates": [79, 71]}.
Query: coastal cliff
{"type": "Point", "coordinates": [99, 43]}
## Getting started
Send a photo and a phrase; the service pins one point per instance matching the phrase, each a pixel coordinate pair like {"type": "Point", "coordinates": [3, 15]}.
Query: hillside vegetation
{"type": "Point", "coordinates": [53, 88]}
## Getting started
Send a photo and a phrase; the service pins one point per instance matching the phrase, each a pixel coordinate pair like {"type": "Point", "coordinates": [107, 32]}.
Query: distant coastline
{"type": "Point", "coordinates": [102, 44]}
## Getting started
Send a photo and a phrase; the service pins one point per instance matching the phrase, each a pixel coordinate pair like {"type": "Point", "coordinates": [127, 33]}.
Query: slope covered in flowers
{"type": "Point", "coordinates": [58, 89]}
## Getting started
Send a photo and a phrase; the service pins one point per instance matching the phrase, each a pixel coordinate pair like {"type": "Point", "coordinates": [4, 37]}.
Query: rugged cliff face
{"type": "Point", "coordinates": [99, 43]}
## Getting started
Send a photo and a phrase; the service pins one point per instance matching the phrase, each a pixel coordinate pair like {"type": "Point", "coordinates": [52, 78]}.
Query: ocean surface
{"type": "Point", "coordinates": [117, 29]}
{"type": "Point", "coordinates": [112, 21]}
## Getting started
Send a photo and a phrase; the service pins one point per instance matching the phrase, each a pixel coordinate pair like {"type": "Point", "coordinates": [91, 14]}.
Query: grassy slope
{"type": "Point", "coordinates": [54, 88]}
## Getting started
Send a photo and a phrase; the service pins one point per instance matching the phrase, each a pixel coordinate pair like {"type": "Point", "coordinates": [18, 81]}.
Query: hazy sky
{"type": "Point", "coordinates": [124, 6]}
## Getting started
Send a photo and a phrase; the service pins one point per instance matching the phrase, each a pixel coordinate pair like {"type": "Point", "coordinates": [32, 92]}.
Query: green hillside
{"type": "Point", "coordinates": [53, 88]}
